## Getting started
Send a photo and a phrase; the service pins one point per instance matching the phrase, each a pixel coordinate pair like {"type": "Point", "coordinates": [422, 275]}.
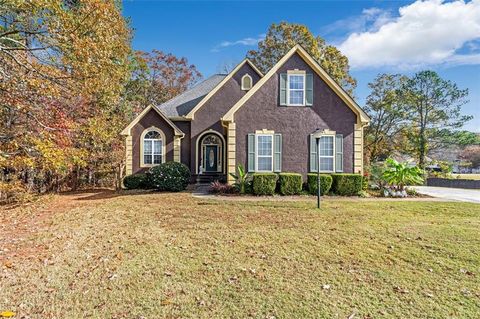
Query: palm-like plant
{"type": "Point", "coordinates": [398, 175]}
{"type": "Point", "coordinates": [241, 179]}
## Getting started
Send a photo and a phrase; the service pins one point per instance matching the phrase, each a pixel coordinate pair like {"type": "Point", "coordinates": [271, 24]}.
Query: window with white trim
{"type": "Point", "coordinates": [264, 153]}
{"type": "Point", "coordinates": [327, 153]}
{"type": "Point", "coordinates": [296, 89]}
{"type": "Point", "coordinates": [152, 148]}
{"type": "Point", "coordinates": [246, 82]}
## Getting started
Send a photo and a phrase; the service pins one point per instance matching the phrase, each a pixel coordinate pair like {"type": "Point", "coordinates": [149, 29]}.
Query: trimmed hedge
{"type": "Point", "coordinates": [169, 176]}
{"type": "Point", "coordinates": [325, 183]}
{"type": "Point", "coordinates": [347, 184]}
{"type": "Point", "coordinates": [264, 183]}
{"type": "Point", "coordinates": [137, 181]}
{"type": "Point", "coordinates": [289, 183]}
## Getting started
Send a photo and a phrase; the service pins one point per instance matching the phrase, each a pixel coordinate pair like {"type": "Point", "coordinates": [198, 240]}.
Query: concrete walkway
{"type": "Point", "coordinates": [457, 194]}
{"type": "Point", "coordinates": [201, 191]}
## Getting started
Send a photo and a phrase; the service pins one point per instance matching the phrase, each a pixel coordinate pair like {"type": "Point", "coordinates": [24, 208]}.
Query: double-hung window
{"type": "Point", "coordinates": [152, 148]}
{"type": "Point", "coordinates": [296, 89]}
{"type": "Point", "coordinates": [264, 153]}
{"type": "Point", "coordinates": [326, 153]}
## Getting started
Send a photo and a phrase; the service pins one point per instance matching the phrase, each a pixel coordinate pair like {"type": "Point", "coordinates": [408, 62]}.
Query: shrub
{"type": "Point", "coordinates": [376, 181]}
{"type": "Point", "coordinates": [218, 187]}
{"type": "Point", "coordinates": [169, 176]}
{"type": "Point", "coordinates": [290, 183]}
{"type": "Point", "coordinates": [241, 179]}
{"type": "Point", "coordinates": [365, 182]}
{"type": "Point", "coordinates": [137, 181]}
{"type": "Point", "coordinates": [411, 192]}
{"type": "Point", "coordinates": [347, 184]}
{"type": "Point", "coordinates": [398, 175]}
{"type": "Point", "coordinates": [264, 183]}
{"type": "Point", "coordinates": [325, 183]}
{"type": "Point", "coordinates": [14, 191]}
{"type": "Point", "coordinates": [445, 171]}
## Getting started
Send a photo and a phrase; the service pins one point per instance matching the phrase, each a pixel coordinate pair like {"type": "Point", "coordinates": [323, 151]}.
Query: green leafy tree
{"type": "Point", "coordinates": [461, 138]}
{"type": "Point", "coordinates": [387, 114]}
{"type": "Point", "coordinates": [282, 37]}
{"type": "Point", "coordinates": [433, 104]}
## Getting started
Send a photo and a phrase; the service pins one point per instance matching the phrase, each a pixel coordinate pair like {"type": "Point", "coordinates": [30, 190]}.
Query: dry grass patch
{"type": "Point", "coordinates": [467, 176]}
{"type": "Point", "coordinates": [174, 256]}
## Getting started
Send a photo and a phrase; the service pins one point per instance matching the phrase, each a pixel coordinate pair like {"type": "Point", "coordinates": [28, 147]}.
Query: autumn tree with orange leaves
{"type": "Point", "coordinates": [62, 64]}
{"type": "Point", "coordinates": [69, 83]}
{"type": "Point", "coordinates": [157, 77]}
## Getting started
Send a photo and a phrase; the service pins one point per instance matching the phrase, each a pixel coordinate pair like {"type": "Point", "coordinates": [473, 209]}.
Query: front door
{"type": "Point", "coordinates": [211, 158]}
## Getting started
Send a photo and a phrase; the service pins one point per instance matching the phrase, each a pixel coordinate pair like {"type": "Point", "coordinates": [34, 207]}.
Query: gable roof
{"type": "Point", "coordinates": [191, 114]}
{"type": "Point", "coordinates": [362, 117]}
{"type": "Point", "coordinates": [183, 103]}
{"type": "Point", "coordinates": [127, 130]}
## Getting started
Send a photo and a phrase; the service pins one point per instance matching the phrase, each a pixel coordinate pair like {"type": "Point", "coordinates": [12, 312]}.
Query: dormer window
{"type": "Point", "coordinates": [246, 82]}
{"type": "Point", "coordinates": [296, 89]}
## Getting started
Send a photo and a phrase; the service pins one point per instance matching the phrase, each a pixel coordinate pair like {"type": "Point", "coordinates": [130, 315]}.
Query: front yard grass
{"type": "Point", "coordinates": [174, 256]}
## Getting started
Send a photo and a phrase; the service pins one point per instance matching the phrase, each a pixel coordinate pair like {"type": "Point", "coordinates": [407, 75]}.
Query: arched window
{"type": "Point", "coordinates": [152, 147]}
{"type": "Point", "coordinates": [246, 82]}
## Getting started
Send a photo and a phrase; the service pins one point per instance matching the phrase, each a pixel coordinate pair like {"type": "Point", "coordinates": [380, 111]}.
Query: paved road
{"type": "Point", "coordinates": [459, 194]}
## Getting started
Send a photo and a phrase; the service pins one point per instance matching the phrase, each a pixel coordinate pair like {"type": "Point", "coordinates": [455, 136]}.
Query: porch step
{"type": "Point", "coordinates": [208, 178]}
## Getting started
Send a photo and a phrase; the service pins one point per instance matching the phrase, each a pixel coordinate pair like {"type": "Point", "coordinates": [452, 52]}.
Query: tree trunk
{"type": "Point", "coordinates": [422, 149]}
{"type": "Point", "coordinates": [74, 179]}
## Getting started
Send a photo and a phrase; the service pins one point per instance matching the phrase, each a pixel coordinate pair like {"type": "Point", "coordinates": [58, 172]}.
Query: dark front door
{"type": "Point", "coordinates": [211, 158]}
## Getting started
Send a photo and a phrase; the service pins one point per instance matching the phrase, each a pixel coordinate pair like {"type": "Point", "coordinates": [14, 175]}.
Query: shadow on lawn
{"type": "Point", "coordinates": [101, 193]}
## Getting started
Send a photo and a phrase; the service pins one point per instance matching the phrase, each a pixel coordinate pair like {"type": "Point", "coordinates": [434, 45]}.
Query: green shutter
{"type": "Point", "coordinates": [251, 152]}
{"type": "Point", "coordinates": [313, 154]}
{"type": "Point", "coordinates": [283, 89]}
{"type": "Point", "coordinates": [277, 153]}
{"type": "Point", "coordinates": [339, 153]}
{"type": "Point", "coordinates": [309, 89]}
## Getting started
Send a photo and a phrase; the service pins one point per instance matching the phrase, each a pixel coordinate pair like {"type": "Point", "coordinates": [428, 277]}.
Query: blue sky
{"type": "Point", "coordinates": [377, 36]}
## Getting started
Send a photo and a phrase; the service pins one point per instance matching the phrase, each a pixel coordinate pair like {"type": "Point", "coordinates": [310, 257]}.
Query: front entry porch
{"type": "Point", "coordinates": [210, 155]}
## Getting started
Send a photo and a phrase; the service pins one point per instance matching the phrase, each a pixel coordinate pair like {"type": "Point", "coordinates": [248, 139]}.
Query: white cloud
{"type": "Point", "coordinates": [370, 20]}
{"type": "Point", "coordinates": [428, 32]}
{"type": "Point", "coordinates": [244, 41]}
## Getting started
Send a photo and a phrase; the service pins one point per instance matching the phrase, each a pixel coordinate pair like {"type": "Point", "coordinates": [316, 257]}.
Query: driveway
{"type": "Point", "coordinates": [458, 194]}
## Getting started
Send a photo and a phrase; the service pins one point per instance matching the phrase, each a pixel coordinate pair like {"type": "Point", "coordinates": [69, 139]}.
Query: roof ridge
{"type": "Point", "coordinates": [182, 103]}
{"type": "Point", "coordinates": [190, 89]}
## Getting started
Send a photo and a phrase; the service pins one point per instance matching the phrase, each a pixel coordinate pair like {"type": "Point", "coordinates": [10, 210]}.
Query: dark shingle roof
{"type": "Point", "coordinates": [182, 104]}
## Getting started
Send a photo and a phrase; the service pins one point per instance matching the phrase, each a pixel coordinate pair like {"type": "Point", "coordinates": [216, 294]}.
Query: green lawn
{"type": "Point", "coordinates": [174, 256]}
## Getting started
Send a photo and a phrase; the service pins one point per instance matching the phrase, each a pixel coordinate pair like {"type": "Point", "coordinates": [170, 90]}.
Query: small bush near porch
{"type": "Point", "coordinates": [173, 256]}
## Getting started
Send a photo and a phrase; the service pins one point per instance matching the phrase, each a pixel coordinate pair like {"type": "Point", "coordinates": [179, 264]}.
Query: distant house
{"type": "Point", "coordinates": [262, 121]}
